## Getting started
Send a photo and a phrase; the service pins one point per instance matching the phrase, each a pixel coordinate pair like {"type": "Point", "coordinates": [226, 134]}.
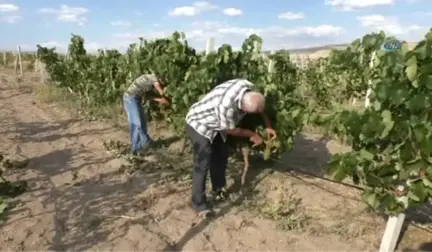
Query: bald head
{"type": "Point", "coordinates": [253, 102]}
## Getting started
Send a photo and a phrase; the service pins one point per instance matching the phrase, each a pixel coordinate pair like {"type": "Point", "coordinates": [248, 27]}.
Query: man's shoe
{"type": "Point", "coordinates": [208, 213]}
{"type": "Point", "coordinates": [220, 194]}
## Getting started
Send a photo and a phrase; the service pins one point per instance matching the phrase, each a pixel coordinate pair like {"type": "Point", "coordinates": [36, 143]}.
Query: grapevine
{"type": "Point", "coordinates": [390, 140]}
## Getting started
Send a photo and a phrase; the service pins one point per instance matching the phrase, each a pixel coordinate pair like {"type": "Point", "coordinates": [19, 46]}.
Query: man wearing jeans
{"type": "Point", "coordinates": [208, 123]}
{"type": "Point", "coordinates": [133, 98]}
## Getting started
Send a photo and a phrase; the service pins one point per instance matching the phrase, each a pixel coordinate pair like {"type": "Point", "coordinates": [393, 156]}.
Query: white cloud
{"type": "Point", "coordinates": [274, 37]}
{"type": "Point", "coordinates": [291, 15]}
{"type": "Point", "coordinates": [199, 32]}
{"type": "Point", "coordinates": [390, 25]}
{"type": "Point", "coordinates": [194, 10]}
{"type": "Point", "coordinates": [121, 23]}
{"type": "Point", "coordinates": [233, 12]}
{"type": "Point", "coordinates": [10, 19]}
{"type": "Point", "coordinates": [349, 5]}
{"type": "Point", "coordinates": [8, 8]}
{"type": "Point", "coordinates": [68, 14]}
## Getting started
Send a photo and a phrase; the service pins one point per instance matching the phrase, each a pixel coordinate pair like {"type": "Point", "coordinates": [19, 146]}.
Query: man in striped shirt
{"type": "Point", "coordinates": [209, 121]}
{"type": "Point", "coordinates": [136, 95]}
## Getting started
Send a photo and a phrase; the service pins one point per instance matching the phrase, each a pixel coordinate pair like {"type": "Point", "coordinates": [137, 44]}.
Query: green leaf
{"type": "Point", "coordinates": [418, 192]}
{"type": "Point", "coordinates": [387, 128]}
{"type": "Point", "coordinates": [418, 102]}
{"type": "Point", "coordinates": [337, 172]}
{"type": "Point", "coordinates": [419, 134]}
{"type": "Point", "coordinates": [423, 50]}
{"type": "Point", "coordinates": [386, 115]}
{"type": "Point", "coordinates": [412, 196]}
{"type": "Point", "coordinates": [405, 48]}
{"type": "Point", "coordinates": [411, 72]}
{"type": "Point", "coordinates": [427, 182]}
{"type": "Point", "coordinates": [428, 37]}
{"type": "Point", "coordinates": [3, 206]}
{"type": "Point", "coordinates": [366, 155]}
{"type": "Point", "coordinates": [425, 80]}
{"type": "Point", "coordinates": [416, 167]}
{"type": "Point", "coordinates": [371, 199]}
{"type": "Point", "coordinates": [377, 105]}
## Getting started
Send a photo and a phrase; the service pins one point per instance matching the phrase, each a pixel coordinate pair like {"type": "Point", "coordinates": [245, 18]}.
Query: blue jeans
{"type": "Point", "coordinates": [137, 123]}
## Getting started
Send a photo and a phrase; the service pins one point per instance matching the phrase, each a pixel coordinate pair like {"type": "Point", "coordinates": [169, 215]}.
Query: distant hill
{"type": "Point", "coordinates": [308, 50]}
{"type": "Point", "coordinates": [313, 49]}
{"type": "Point", "coordinates": [320, 51]}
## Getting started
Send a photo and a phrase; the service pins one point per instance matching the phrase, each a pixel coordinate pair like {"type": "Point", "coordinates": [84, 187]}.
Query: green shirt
{"type": "Point", "coordinates": [141, 85]}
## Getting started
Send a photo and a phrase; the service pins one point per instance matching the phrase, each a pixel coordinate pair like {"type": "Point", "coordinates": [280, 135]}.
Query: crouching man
{"type": "Point", "coordinates": [208, 123]}
{"type": "Point", "coordinates": [133, 99]}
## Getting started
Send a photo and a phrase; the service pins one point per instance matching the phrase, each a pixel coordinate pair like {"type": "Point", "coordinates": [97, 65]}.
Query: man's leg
{"type": "Point", "coordinates": [145, 138]}
{"type": "Point", "coordinates": [219, 162]}
{"type": "Point", "coordinates": [131, 107]}
{"type": "Point", "coordinates": [202, 155]}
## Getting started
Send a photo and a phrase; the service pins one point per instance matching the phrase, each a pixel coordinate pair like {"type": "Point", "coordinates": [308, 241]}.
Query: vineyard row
{"type": "Point", "coordinates": [391, 140]}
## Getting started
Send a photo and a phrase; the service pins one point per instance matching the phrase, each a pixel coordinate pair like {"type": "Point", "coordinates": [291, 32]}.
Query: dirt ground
{"type": "Point", "coordinates": [78, 199]}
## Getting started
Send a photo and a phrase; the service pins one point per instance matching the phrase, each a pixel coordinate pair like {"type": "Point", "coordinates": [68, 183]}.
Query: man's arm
{"type": "Point", "coordinates": [162, 99]}
{"type": "Point", "coordinates": [158, 87]}
{"type": "Point", "coordinates": [266, 120]}
{"type": "Point", "coordinates": [228, 124]}
{"type": "Point", "coordinates": [248, 133]}
{"type": "Point", "coordinates": [239, 132]}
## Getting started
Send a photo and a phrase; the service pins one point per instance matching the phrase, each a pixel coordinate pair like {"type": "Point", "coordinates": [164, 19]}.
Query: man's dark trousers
{"type": "Point", "coordinates": [207, 156]}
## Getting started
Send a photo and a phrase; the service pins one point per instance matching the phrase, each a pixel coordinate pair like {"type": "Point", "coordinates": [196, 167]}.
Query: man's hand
{"type": "Point", "coordinates": [256, 139]}
{"type": "Point", "coordinates": [272, 133]}
{"type": "Point", "coordinates": [162, 101]}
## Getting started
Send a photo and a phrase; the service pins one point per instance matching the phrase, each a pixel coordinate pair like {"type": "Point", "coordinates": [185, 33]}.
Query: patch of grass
{"type": "Point", "coordinates": [4, 205]}
{"type": "Point", "coordinates": [9, 189]}
{"type": "Point", "coordinates": [49, 93]}
{"type": "Point", "coordinates": [159, 164]}
{"type": "Point", "coordinates": [280, 203]}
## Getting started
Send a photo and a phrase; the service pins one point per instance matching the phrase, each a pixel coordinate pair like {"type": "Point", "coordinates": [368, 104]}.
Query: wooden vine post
{"type": "Point", "coordinates": [210, 45]}
{"type": "Point", "coordinates": [4, 59]}
{"type": "Point", "coordinates": [18, 61]}
{"type": "Point", "coordinates": [392, 233]}
{"type": "Point", "coordinates": [369, 90]}
{"type": "Point", "coordinates": [36, 64]}
{"type": "Point", "coordinates": [271, 63]}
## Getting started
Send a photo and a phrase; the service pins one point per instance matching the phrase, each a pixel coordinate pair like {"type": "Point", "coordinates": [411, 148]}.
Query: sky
{"type": "Point", "coordinates": [283, 24]}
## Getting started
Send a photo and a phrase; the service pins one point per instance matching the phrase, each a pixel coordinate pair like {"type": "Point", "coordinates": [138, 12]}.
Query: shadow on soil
{"type": "Point", "coordinates": [425, 247]}
{"type": "Point", "coordinates": [309, 159]}
{"type": "Point", "coordinates": [47, 132]}
{"type": "Point", "coordinates": [86, 212]}
{"type": "Point", "coordinates": [255, 175]}
{"type": "Point", "coordinates": [96, 210]}
{"type": "Point", "coordinates": [317, 154]}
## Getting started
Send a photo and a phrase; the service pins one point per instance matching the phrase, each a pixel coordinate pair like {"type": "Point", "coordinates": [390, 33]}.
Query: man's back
{"type": "Point", "coordinates": [205, 115]}
{"type": "Point", "coordinates": [141, 85]}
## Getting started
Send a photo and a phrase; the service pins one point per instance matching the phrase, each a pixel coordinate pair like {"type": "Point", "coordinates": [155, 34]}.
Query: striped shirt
{"type": "Point", "coordinates": [141, 85]}
{"type": "Point", "coordinates": [219, 110]}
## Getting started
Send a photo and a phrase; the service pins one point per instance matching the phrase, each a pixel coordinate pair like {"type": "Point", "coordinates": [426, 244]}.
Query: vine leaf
{"type": "Point", "coordinates": [411, 70]}
{"type": "Point", "coordinates": [371, 199]}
